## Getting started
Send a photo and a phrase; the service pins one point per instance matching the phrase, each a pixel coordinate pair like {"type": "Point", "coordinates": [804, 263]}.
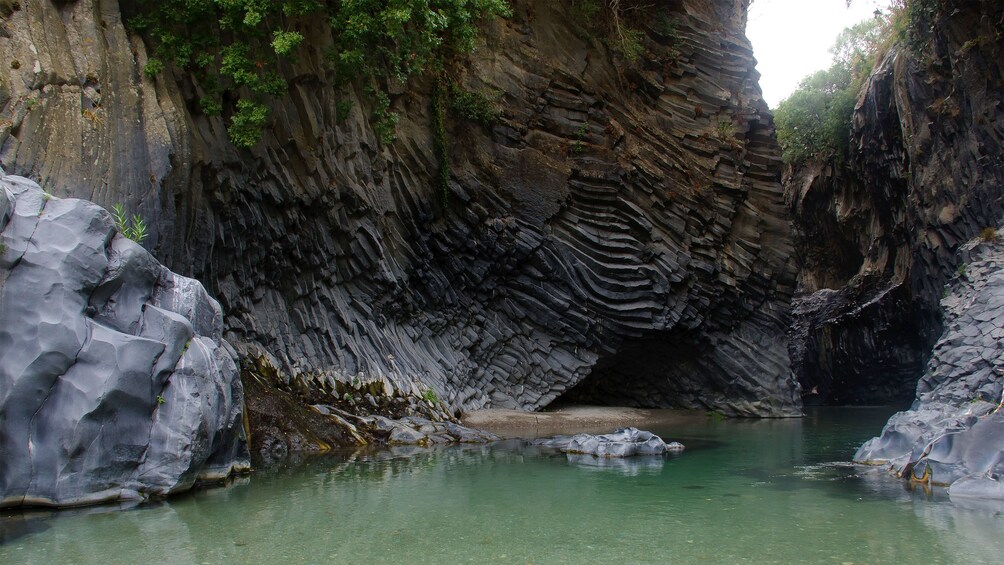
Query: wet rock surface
{"type": "Point", "coordinates": [954, 433]}
{"type": "Point", "coordinates": [618, 216]}
{"type": "Point", "coordinates": [877, 233]}
{"type": "Point", "coordinates": [115, 382]}
{"type": "Point", "coordinates": [317, 415]}
{"type": "Point", "coordinates": [625, 442]}
{"type": "Point", "coordinates": [413, 430]}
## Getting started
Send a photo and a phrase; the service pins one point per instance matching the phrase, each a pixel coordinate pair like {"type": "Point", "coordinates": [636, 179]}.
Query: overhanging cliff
{"type": "Point", "coordinates": [622, 227]}
{"type": "Point", "coordinates": [877, 234]}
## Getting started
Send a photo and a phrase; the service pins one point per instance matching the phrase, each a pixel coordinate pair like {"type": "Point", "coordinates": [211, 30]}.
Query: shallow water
{"type": "Point", "coordinates": [770, 491]}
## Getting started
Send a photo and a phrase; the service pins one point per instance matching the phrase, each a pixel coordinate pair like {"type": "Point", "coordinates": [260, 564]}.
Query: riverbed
{"type": "Point", "coordinates": [744, 491]}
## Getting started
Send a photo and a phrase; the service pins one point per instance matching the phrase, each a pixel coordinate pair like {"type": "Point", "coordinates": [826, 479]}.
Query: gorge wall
{"type": "Point", "coordinates": [878, 232]}
{"type": "Point", "coordinates": [620, 236]}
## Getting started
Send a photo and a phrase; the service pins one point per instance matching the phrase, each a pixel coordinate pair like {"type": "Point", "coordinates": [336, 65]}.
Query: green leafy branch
{"type": "Point", "coordinates": [133, 228]}
{"type": "Point", "coordinates": [244, 41]}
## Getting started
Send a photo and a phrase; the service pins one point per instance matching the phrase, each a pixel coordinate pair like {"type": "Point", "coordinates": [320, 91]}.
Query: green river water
{"type": "Point", "coordinates": [768, 491]}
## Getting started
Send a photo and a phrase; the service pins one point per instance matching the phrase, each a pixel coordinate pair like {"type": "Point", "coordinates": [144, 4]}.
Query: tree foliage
{"type": "Point", "coordinates": [815, 121]}
{"type": "Point", "coordinates": [234, 48]}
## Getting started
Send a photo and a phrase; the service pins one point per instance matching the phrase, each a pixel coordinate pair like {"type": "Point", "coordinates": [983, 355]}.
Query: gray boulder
{"type": "Point", "coordinates": [625, 442]}
{"type": "Point", "coordinates": [413, 430]}
{"type": "Point", "coordinates": [954, 432]}
{"type": "Point", "coordinates": [115, 382]}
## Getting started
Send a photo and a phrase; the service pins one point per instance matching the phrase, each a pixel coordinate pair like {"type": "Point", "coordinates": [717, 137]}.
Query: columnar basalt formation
{"type": "Point", "coordinates": [877, 235]}
{"type": "Point", "coordinates": [621, 228]}
{"type": "Point", "coordinates": [954, 433]}
{"type": "Point", "coordinates": [115, 382]}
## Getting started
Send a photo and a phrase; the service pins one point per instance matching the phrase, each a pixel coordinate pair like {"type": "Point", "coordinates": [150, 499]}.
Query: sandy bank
{"type": "Point", "coordinates": [571, 419]}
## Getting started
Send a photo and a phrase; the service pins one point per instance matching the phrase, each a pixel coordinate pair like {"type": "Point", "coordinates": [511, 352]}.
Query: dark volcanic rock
{"type": "Point", "coordinates": [877, 235]}
{"type": "Point", "coordinates": [623, 223]}
{"type": "Point", "coordinates": [955, 429]}
{"type": "Point", "coordinates": [114, 379]}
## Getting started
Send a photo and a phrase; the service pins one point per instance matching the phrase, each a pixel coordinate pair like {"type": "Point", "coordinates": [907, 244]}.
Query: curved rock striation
{"type": "Point", "coordinates": [621, 228]}
{"type": "Point", "coordinates": [115, 382]}
{"type": "Point", "coordinates": [954, 433]}
{"type": "Point", "coordinates": [877, 235]}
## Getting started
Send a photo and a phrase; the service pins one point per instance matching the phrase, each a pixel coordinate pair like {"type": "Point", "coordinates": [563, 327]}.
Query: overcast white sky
{"type": "Point", "coordinates": [792, 38]}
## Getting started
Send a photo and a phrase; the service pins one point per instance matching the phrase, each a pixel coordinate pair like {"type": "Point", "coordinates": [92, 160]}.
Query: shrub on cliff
{"type": "Point", "coordinates": [815, 121]}
{"type": "Point", "coordinates": [234, 48]}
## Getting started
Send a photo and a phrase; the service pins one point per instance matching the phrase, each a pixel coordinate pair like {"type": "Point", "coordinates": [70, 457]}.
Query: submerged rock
{"type": "Point", "coordinates": [115, 382]}
{"type": "Point", "coordinates": [954, 432]}
{"type": "Point", "coordinates": [625, 442]}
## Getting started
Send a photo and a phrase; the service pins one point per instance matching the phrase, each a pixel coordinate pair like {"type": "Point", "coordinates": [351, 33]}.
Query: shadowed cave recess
{"type": "Point", "coordinates": [656, 371]}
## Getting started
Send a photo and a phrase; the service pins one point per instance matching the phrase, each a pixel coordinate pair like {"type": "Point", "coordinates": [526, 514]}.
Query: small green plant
{"type": "Point", "coordinates": [160, 399]}
{"type": "Point", "coordinates": [989, 235]}
{"type": "Point", "coordinates": [384, 119]}
{"type": "Point", "coordinates": [210, 106]}
{"type": "Point", "coordinates": [580, 134]}
{"type": "Point", "coordinates": [3, 249]}
{"type": "Point", "coordinates": [439, 142]}
{"type": "Point", "coordinates": [584, 13]}
{"type": "Point", "coordinates": [430, 396]}
{"type": "Point", "coordinates": [15, 64]}
{"type": "Point", "coordinates": [31, 103]}
{"type": "Point", "coordinates": [153, 67]}
{"type": "Point", "coordinates": [246, 125]}
{"type": "Point", "coordinates": [285, 41]}
{"type": "Point", "coordinates": [473, 106]}
{"type": "Point", "coordinates": [631, 43]}
{"type": "Point", "coordinates": [133, 228]}
{"type": "Point", "coordinates": [961, 271]}
{"type": "Point", "coordinates": [725, 130]}
{"type": "Point", "coordinates": [342, 109]}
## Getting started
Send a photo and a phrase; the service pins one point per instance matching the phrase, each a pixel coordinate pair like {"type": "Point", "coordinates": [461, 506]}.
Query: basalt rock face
{"type": "Point", "coordinates": [114, 380]}
{"type": "Point", "coordinates": [877, 235]}
{"type": "Point", "coordinates": [621, 228]}
{"type": "Point", "coordinates": [954, 433]}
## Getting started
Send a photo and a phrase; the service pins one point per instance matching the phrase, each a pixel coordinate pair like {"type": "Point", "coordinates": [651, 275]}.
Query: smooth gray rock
{"type": "Point", "coordinates": [114, 381]}
{"type": "Point", "coordinates": [625, 442]}
{"type": "Point", "coordinates": [412, 430]}
{"type": "Point", "coordinates": [955, 429]}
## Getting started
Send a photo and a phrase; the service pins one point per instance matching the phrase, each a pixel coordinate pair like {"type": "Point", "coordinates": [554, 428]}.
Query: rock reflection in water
{"type": "Point", "coordinates": [627, 466]}
{"type": "Point", "coordinates": [514, 502]}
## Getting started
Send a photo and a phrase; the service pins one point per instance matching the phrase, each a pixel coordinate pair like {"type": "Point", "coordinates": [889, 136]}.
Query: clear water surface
{"type": "Point", "coordinates": [769, 491]}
